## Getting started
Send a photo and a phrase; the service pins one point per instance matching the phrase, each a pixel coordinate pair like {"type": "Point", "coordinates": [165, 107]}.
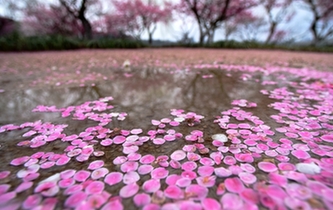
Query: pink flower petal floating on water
{"type": "Point", "coordinates": [178, 155]}
{"type": "Point", "coordinates": [63, 160]}
{"type": "Point", "coordinates": [119, 160]}
{"type": "Point", "coordinates": [6, 197]}
{"type": "Point", "coordinates": [151, 185]}
{"type": "Point", "coordinates": [196, 192]}
{"type": "Point", "coordinates": [65, 183]}
{"type": "Point", "coordinates": [229, 160]}
{"type": "Point", "coordinates": [129, 190]}
{"type": "Point", "coordinates": [119, 139]}
{"type": "Point", "coordinates": [249, 195]}
{"type": "Point", "coordinates": [75, 199]}
{"type": "Point", "coordinates": [193, 156]}
{"type": "Point", "coordinates": [4, 174]}
{"type": "Point", "coordinates": [131, 177]}
{"type": "Point", "coordinates": [48, 164]}
{"type": "Point", "coordinates": [99, 173]}
{"type": "Point", "coordinates": [94, 187]}
{"type": "Point", "coordinates": [210, 204]}
{"type": "Point", "coordinates": [247, 167]}
{"type": "Point", "coordinates": [300, 154]}
{"type": "Point", "coordinates": [159, 173]}
{"type": "Point", "coordinates": [205, 170]}
{"type": "Point", "coordinates": [96, 164]}
{"type": "Point", "coordinates": [277, 179]}
{"type": "Point", "coordinates": [48, 189]}
{"type": "Point", "coordinates": [136, 131]}
{"type": "Point", "coordinates": [134, 157]}
{"type": "Point", "coordinates": [267, 166]}
{"type": "Point", "coordinates": [234, 185]}
{"type": "Point", "coordinates": [327, 138]}
{"type": "Point", "coordinates": [113, 178]}
{"type": "Point", "coordinates": [19, 161]}
{"type": "Point", "coordinates": [207, 181]}
{"type": "Point", "coordinates": [73, 189]}
{"type": "Point", "coordinates": [4, 188]}
{"type": "Point", "coordinates": [141, 199]}
{"type": "Point", "coordinates": [106, 142]}
{"type": "Point", "coordinates": [67, 173]}
{"type": "Point", "coordinates": [82, 175]}
{"type": "Point", "coordinates": [189, 166]}
{"type": "Point", "coordinates": [294, 203]}
{"type": "Point", "coordinates": [182, 182]}
{"type": "Point", "coordinates": [247, 178]}
{"type": "Point", "coordinates": [174, 192]}
{"type": "Point", "coordinates": [231, 201]}
{"type": "Point", "coordinates": [147, 159]}
{"type": "Point", "coordinates": [23, 186]}
{"type": "Point", "coordinates": [222, 172]}
{"type": "Point", "coordinates": [129, 166]}
{"type": "Point", "coordinates": [145, 169]}
{"type": "Point", "coordinates": [113, 204]}
{"type": "Point", "coordinates": [32, 201]}
{"type": "Point", "coordinates": [298, 191]}
{"type": "Point", "coordinates": [95, 201]}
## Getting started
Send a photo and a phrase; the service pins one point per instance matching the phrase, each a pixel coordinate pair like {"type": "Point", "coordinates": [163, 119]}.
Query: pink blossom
{"type": "Point", "coordinates": [210, 204]}
{"type": "Point", "coordinates": [151, 185]}
{"type": "Point", "coordinates": [147, 159]}
{"type": "Point", "coordinates": [222, 172]}
{"type": "Point", "coordinates": [196, 192]}
{"type": "Point", "coordinates": [31, 201]}
{"type": "Point", "coordinates": [249, 195]}
{"type": "Point", "coordinates": [95, 201]}
{"type": "Point", "coordinates": [129, 190]}
{"type": "Point", "coordinates": [178, 155]}
{"type": "Point", "coordinates": [231, 201]}
{"type": "Point", "coordinates": [267, 166]}
{"type": "Point", "coordinates": [19, 161]}
{"type": "Point", "coordinates": [23, 186]}
{"type": "Point", "coordinates": [141, 199]}
{"type": "Point", "coordinates": [75, 199]}
{"type": "Point", "coordinates": [113, 178]}
{"type": "Point", "coordinates": [129, 166]}
{"type": "Point", "coordinates": [99, 173]}
{"type": "Point", "coordinates": [81, 175]}
{"type": "Point", "coordinates": [174, 192]}
{"type": "Point", "coordinates": [131, 177]}
{"type": "Point", "coordinates": [234, 184]}
{"type": "Point", "coordinates": [96, 164]}
{"type": "Point", "coordinates": [145, 169]}
{"type": "Point", "coordinates": [159, 173]}
{"type": "Point", "coordinates": [247, 178]}
{"type": "Point", "coordinates": [207, 181]}
{"type": "Point", "coordinates": [189, 166]}
{"type": "Point", "coordinates": [94, 187]}
{"type": "Point", "coordinates": [300, 154]}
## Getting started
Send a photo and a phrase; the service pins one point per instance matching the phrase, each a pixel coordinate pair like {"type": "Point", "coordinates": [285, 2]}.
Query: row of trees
{"type": "Point", "coordinates": [123, 18]}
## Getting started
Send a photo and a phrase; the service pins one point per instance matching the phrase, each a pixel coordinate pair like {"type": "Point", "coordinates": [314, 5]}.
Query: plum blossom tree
{"type": "Point", "coordinates": [77, 9]}
{"type": "Point", "coordinates": [277, 11]}
{"type": "Point", "coordinates": [51, 19]}
{"type": "Point", "coordinates": [211, 14]}
{"type": "Point", "coordinates": [321, 26]}
{"type": "Point", "coordinates": [133, 17]}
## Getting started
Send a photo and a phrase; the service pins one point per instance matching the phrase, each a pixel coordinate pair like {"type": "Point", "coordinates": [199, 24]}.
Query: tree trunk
{"type": "Point", "coordinates": [272, 29]}
{"type": "Point", "coordinates": [87, 30]}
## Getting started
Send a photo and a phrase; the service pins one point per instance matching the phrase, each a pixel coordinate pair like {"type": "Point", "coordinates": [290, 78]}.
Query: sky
{"type": "Point", "coordinates": [298, 27]}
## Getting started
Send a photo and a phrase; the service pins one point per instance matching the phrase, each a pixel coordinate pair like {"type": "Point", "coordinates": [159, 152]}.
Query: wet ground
{"type": "Point", "coordinates": [57, 117]}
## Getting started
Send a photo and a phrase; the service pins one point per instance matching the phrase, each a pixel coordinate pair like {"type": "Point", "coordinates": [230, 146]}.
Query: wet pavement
{"type": "Point", "coordinates": [274, 118]}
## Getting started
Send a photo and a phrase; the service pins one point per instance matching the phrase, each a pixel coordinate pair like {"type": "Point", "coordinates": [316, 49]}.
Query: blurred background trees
{"type": "Point", "coordinates": [263, 21]}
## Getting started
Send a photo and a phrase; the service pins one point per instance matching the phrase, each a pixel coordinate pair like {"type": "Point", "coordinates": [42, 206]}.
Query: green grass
{"type": "Point", "coordinates": [16, 42]}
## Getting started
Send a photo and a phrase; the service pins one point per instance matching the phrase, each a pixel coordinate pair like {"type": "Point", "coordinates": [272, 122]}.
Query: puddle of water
{"type": "Point", "coordinates": [145, 96]}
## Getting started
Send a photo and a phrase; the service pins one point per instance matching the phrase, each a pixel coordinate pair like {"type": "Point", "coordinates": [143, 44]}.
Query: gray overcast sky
{"type": "Point", "coordinates": [297, 28]}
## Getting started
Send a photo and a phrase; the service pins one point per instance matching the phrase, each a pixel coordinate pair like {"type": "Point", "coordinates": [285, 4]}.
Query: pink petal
{"type": "Point", "coordinates": [151, 185]}
{"type": "Point", "coordinates": [210, 204]}
{"type": "Point", "coordinates": [231, 201]}
{"type": "Point", "coordinates": [147, 159]}
{"type": "Point", "coordinates": [131, 177]}
{"type": "Point", "coordinates": [247, 178]}
{"type": "Point", "coordinates": [67, 174]}
{"type": "Point", "coordinates": [81, 175]}
{"type": "Point", "coordinates": [119, 139]}
{"type": "Point", "coordinates": [249, 195]}
{"type": "Point", "coordinates": [234, 185]}
{"type": "Point", "coordinates": [99, 173]}
{"type": "Point", "coordinates": [62, 160]}
{"type": "Point", "coordinates": [141, 199]}
{"type": "Point", "coordinates": [129, 190]}
{"type": "Point", "coordinates": [113, 204]}
{"type": "Point", "coordinates": [207, 181]}
{"type": "Point", "coordinates": [113, 178]}
{"type": "Point", "coordinates": [32, 201]}
{"type": "Point", "coordinates": [4, 174]}
{"type": "Point", "coordinates": [145, 169]}
{"type": "Point", "coordinates": [96, 201]}
{"type": "Point", "coordinates": [267, 166]}
{"type": "Point", "coordinates": [75, 199]}
{"type": "Point", "coordinates": [4, 198]}
{"type": "Point", "coordinates": [65, 183]}
{"type": "Point", "coordinates": [189, 166]}
{"type": "Point", "coordinates": [174, 192]}
{"type": "Point", "coordinates": [23, 186]}
{"type": "Point", "coordinates": [96, 164]}
{"type": "Point", "coordinates": [159, 173]}
{"type": "Point", "coordinates": [19, 161]}
{"type": "Point", "coordinates": [183, 182]}
{"type": "Point", "coordinates": [178, 155]}
{"type": "Point", "coordinates": [73, 189]}
{"type": "Point", "coordinates": [327, 137]}
{"type": "Point", "coordinates": [222, 172]}
{"type": "Point", "coordinates": [300, 154]}
{"type": "Point", "coordinates": [94, 187]}
{"type": "Point", "coordinates": [196, 192]}
{"type": "Point", "coordinates": [129, 166]}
